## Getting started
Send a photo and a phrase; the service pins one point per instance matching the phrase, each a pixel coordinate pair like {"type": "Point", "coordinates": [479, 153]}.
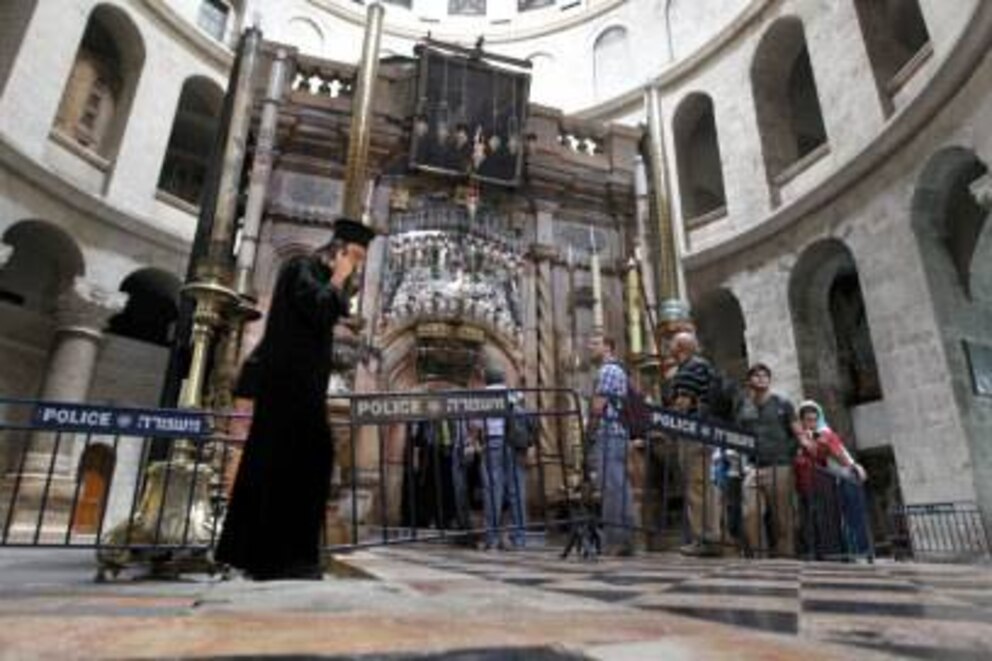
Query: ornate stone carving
{"type": "Point", "coordinates": [87, 306]}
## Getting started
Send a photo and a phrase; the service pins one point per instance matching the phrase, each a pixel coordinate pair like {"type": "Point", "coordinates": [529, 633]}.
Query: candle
{"type": "Point", "coordinates": [634, 309]}
{"type": "Point", "coordinates": [597, 287]}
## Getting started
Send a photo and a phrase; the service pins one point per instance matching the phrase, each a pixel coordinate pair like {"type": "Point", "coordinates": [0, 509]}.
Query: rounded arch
{"type": "Point", "coordinates": [721, 329]}
{"type": "Point", "coordinates": [97, 97]}
{"type": "Point", "coordinates": [790, 119]}
{"type": "Point", "coordinates": [305, 34]}
{"type": "Point", "coordinates": [697, 152]}
{"type": "Point", "coordinates": [44, 262]}
{"type": "Point", "coordinates": [399, 348]}
{"type": "Point", "coordinates": [833, 338]}
{"type": "Point", "coordinates": [611, 58]}
{"type": "Point", "coordinates": [894, 32]}
{"type": "Point", "coordinates": [191, 141]}
{"type": "Point", "coordinates": [152, 307]}
{"type": "Point", "coordinates": [946, 217]}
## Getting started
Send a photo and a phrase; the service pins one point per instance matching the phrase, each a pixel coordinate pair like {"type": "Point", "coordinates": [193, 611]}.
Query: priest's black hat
{"type": "Point", "coordinates": [352, 231]}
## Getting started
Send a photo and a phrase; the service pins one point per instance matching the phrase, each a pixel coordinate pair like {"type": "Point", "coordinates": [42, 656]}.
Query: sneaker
{"type": "Point", "coordinates": [699, 550]}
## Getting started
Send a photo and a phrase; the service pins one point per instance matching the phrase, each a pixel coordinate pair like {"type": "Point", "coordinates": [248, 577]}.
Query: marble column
{"type": "Point", "coordinates": [81, 314]}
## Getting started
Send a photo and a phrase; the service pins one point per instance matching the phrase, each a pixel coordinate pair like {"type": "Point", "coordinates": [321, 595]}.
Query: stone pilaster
{"type": "Point", "coordinates": [81, 314]}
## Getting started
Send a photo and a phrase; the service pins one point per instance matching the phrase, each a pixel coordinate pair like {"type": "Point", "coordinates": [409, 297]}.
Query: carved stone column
{"type": "Point", "coordinates": [545, 253]}
{"type": "Point", "coordinates": [81, 314]}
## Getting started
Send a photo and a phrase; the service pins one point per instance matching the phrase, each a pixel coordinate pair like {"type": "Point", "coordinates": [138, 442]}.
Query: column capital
{"type": "Point", "coordinates": [86, 307]}
{"type": "Point", "coordinates": [981, 190]}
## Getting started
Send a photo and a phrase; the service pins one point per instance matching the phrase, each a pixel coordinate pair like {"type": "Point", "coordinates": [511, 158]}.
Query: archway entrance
{"type": "Point", "coordinates": [96, 467]}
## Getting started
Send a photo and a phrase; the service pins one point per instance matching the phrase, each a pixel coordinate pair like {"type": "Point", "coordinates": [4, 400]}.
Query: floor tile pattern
{"type": "Point", "coordinates": [907, 610]}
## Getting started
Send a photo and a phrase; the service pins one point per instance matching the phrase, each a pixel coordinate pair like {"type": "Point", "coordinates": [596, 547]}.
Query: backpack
{"type": "Point", "coordinates": [520, 429]}
{"type": "Point", "coordinates": [721, 395]}
{"type": "Point", "coordinates": [635, 413]}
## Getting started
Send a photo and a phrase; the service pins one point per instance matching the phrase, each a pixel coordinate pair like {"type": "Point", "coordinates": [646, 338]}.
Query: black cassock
{"type": "Point", "coordinates": [274, 522]}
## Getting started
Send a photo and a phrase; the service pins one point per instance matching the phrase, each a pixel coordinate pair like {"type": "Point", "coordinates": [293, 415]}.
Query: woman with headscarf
{"type": "Point", "coordinates": [829, 471]}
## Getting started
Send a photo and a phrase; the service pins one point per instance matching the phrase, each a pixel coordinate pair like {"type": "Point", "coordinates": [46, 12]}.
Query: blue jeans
{"type": "Point", "coordinates": [610, 464]}
{"type": "Point", "coordinates": [503, 481]}
{"type": "Point", "coordinates": [852, 498]}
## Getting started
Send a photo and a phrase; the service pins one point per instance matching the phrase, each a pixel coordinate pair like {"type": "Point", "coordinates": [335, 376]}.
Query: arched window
{"type": "Point", "coordinates": [697, 153]}
{"type": "Point", "coordinates": [44, 262]}
{"type": "Point", "coordinates": [721, 326]}
{"type": "Point", "coordinates": [949, 220]}
{"type": "Point", "coordinates": [896, 38]}
{"type": "Point", "coordinates": [611, 60]}
{"type": "Point", "coordinates": [97, 97]}
{"type": "Point", "coordinates": [305, 35]}
{"type": "Point", "coordinates": [790, 120]}
{"type": "Point", "coordinates": [833, 338]}
{"type": "Point", "coordinates": [152, 307]}
{"type": "Point", "coordinates": [192, 139]}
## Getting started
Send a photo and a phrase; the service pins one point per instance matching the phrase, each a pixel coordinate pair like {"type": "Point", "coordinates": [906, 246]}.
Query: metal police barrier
{"type": "Point", "coordinates": [80, 476]}
{"type": "Point", "coordinates": [706, 487]}
{"type": "Point", "coordinates": [941, 532]}
{"type": "Point", "coordinates": [662, 491]}
{"type": "Point", "coordinates": [436, 465]}
{"type": "Point", "coordinates": [454, 466]}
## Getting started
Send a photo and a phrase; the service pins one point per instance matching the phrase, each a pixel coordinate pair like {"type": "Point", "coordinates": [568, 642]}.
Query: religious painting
{"type": "Point", "coordinates": [470, 117]}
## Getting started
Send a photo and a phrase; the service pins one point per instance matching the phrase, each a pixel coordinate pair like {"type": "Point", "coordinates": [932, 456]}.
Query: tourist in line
{"type": "Point", "coordinates": [690, 394]}
{"type": "Point", "coordinates": [829, 482]}
{"type": "Point", "coordinates": [611, 441]}
{"type": "Point", "coordinates": [769, 486]}
{"type": "Point", "coordinates": [503, 477]}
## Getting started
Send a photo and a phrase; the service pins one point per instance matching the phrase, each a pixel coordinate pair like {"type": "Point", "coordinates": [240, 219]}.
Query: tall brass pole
{"type": "Point", "coordinates": [175, 506]}
{"type": "Point", "coordinates": [672, 305]}
{"type": "Point", "coordinates": [363, 463]}
{"type": "Point", "coordinates": [360, 135]}
{"type": "Point", "coordinates": [212, 290]}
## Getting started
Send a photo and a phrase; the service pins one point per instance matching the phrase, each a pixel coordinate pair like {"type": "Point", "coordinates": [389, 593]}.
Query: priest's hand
{"type": "Point", "coordinates": [346, 262]}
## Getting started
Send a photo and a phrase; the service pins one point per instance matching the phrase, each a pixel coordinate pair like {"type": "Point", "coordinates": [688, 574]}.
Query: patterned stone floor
{"type": "Point", "coordinates": [903, 609]}
{"type": "Point", "coordinates": [437, 602]}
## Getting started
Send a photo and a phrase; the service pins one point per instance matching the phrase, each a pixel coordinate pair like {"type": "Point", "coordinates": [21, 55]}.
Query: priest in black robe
{"type": "Point", "coordinates": [276, 513]}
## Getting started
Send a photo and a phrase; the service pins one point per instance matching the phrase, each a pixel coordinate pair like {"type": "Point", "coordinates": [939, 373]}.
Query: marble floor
{"type": "Point", "coordinates": [904, 609]}
{"type": "Point", "coordinates": [438, 602]}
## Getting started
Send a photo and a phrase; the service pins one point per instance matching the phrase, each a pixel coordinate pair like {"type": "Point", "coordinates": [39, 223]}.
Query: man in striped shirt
{"type": "Point", "coordinates": [690, 392]}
